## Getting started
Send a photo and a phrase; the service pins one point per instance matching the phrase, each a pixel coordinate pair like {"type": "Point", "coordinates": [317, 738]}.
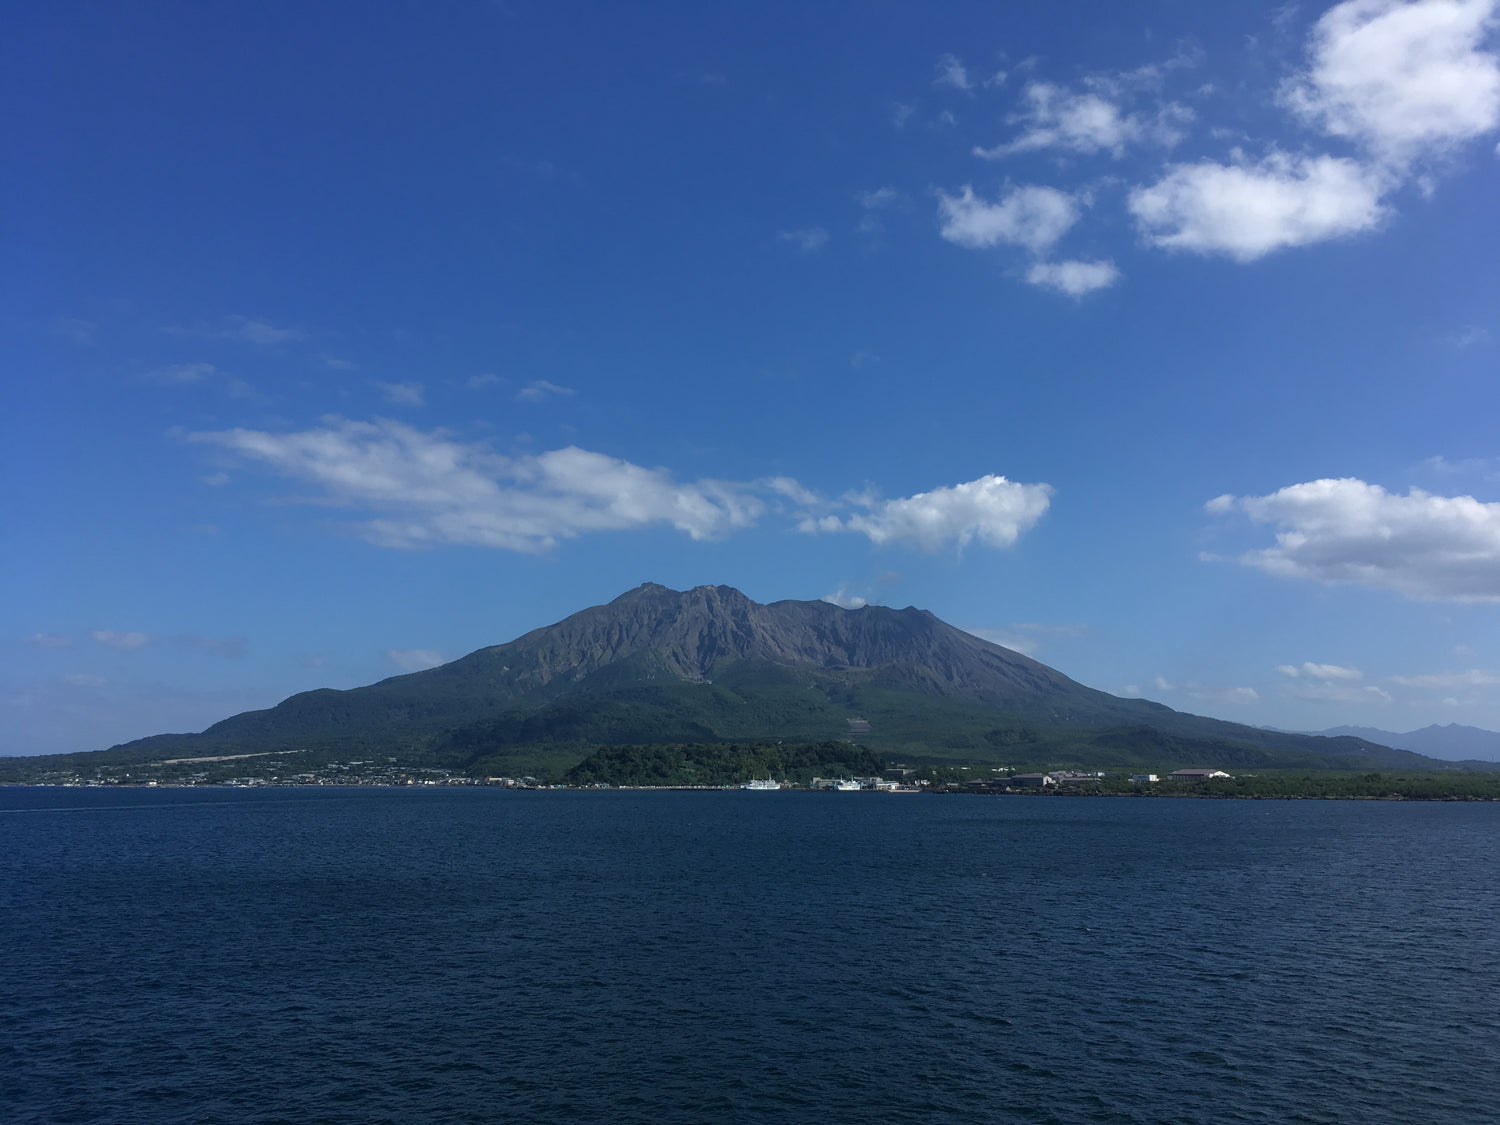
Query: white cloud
{"type": "Point", "coordinates": [1423, 546]}
{"type": "Point", "coordinates": [844, 600]}
{"type": "Point", "coordinates": [243, 329]}
{"type": "Point", "coordinates": [1402, 79]}
{"type": "Point", "coordinates": [49, 640]}
{"type": "Point", "coordinates": [414, 659]}
{"type": "Point", "coordinates": [121, 641]}
{"type": "Point", "coordinates": [1233, 695]}
{"type": "Point", "coordinates": [402, 394]}
{"type": "Point", "coordinates": [1247, 211]}
{"type": "Point", "coordinates": [1447, 681]}
{"type": "Point", "coordinates": [876, 199]}
{"type": "Point", "coordinates": [1074, 278]}
{"type": "Point", "coordinates": [259, 332]}
{"type": "Point", "coordinates": [1026, 646]}
{"type": "Point", "coordinates": [475, 382]}
{"type": "Point", "coordinates": [786, 486]}
{"type": "Point", "coordinates": [991, 509]}
{"type": "Point", "coordinates": [427, 490]}
{"type": "Point", "coordinates": [1320, 671]}
{"type": "Point", "coordinates": [808, 241]}
{"type": "Point", "coordinates": [1331, 691]}
{"type": "Point", "coordinates": [337, 364]}
{"type": "Point", "coordinates": [1031, 217]}
{"type": "Point", "coordinates": [1057, 118]}
{"type": "Point", "coordinates": [952, 73]}
{"type": "Point", "coordinates": [537, 391]}
{"type": "Point", "coordinates": [183, 373]}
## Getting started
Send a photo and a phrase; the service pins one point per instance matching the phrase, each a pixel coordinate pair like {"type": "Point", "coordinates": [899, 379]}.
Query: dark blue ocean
{"type": "Point", "coordinates": [385, 955]}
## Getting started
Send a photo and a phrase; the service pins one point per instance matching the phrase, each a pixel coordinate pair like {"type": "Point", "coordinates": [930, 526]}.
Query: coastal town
{"type": "Point", "coordinates": [282, 769]}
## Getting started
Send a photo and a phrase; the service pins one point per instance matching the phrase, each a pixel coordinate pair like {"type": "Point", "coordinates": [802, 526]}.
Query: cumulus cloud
{"type": "Point", "coordinates": [1075, 278]}
{"type": "Point", "coordinates": [402, 394]}
{"type": "Point", "coordinates": [1423, 546]}
{"type": "Point", "coordinates": [414, 659]}
{"type": "Point", "coordinates": [807, 241]}
{"type": "Point", "coordinates": [541, 389]}
{"type": "Point", "coordinates": [1058, 118]}
{"type": "Point", "coordinates": [1320, 671]}
{"type": "Point", "coordinates": [122, 641]}
{"type": "Point", "coordinates": [1030, 217]}
{"type": "Point", "coordinates": [1246, 210]}
{"type": "Point", "coordinates": [991, 509]}
{"type": "Point", "coordinates": [1401, 79]}
{"type": "Point", "coordinates": [428, 490]}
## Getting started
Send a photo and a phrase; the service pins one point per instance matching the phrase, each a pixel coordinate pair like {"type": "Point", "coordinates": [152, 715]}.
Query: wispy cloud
{"type": "Point", "coordinates": [414, 659]}
{"type": "Point", "coordinates": [243, 329]}
{"type": "Point", "coordinates": [429, 490]}
{"type": "Point", "coordinates": [1347, 531]}
{"type": "Point", "coordinates": [541, 389]}
{"type": "Point", "coordinates": [403, 394]}
{"type": "Point", "coordinates": [1319, 671]}
{"type": "Point", "coordinates": [807, 241]}
{"type": "Point", "coordinates": [1449, 681]}
{"type": "Point", "coordinates": [419, 489]}
{"type": "Point", "coordinates": [952, 73]}
{"type": "Point", "coordinates": [81, 332]}
{"type": "Point", "coordinates": [1055, 117]}
{"type": "Point", "coordinates": [49, 640]}
{"type": "Point", "coordinates": [122, 641]}
{"type": "Point", "coordinates": [199, 374]}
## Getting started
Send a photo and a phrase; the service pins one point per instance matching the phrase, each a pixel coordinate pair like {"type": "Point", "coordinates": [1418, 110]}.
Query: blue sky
{"type": "Point", "coordinates": [1156, 340]}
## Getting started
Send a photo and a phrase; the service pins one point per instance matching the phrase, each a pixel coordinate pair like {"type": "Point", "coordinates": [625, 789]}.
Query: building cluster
{"type": "Point", "coordinates": [1075, 777]}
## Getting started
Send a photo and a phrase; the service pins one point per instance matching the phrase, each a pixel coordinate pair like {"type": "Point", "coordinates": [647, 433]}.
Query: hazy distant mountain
{"type": "Point", "coordinates": [1450, 742]}
{"type": "Point", "coordinates": [657, 665]}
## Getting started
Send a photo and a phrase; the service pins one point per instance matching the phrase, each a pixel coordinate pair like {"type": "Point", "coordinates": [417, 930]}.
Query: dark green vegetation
{"type": "Point", "coordinates": [723, 763]}
{"type": "Point", "coordinates": [1409, 785]}
{"type": "Point", "coordinates": [658, 667]}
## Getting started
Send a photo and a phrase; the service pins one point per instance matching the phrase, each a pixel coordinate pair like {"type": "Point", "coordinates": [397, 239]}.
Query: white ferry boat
{"type": "Point", "coordinates": [761, 783]}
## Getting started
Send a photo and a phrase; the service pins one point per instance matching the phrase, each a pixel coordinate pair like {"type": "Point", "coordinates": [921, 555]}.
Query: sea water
{"type": "Point", "coordinates": [479, 955]}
